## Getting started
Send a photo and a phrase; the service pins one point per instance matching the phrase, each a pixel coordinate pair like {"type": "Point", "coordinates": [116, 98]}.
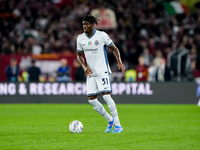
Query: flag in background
{"type": "Point", "coordinates": [174, 8]}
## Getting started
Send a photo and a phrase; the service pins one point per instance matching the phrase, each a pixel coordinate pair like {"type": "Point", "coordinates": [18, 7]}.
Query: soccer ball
{"type": "Point", "coordinates": [75, 127]}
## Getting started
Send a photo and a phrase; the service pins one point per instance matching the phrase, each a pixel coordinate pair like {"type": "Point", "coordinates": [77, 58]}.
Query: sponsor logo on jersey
{"type": "Point", "coordinates": [91, 50]}
{"type": "Point", "coordinates": [90, 43]}
{"type": "Point", "coordinates": [96, 42]}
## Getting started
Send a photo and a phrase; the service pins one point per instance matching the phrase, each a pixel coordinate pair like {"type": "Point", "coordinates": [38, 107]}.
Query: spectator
{"type": "Point", "coordinates": [141, 69]}
{"type": "Point", "coordinates": [195, 73]}
{"type": "Point", "coordinates": [34, 72]}
{"type": "Point", "coordinates": [64, 71]}
{"type": "Point", "coordinates": [152, 73]}
{"type": "Point", "coordinates": [12, 71]}
{"type": "Point", "coordinates": [130, 75]}
{"type": "Point", "coordinates": [46, 27]}
{"type": "Point", "coordinates": [148, 58]}
{"type": "Point", "coordinates": [79, 73]}
{"type": "Point", "coordinates": [156, 60]}
{"type": "Point", "coordinates": [163, 73]}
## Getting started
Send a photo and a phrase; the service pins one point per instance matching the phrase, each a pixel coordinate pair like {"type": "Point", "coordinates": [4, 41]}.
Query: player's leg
{"type": "Point", "coordinates": [92, 91]}
{"type": "Point", "coordinates": [104, 86]}
{"type": "Point", "coordinates": [198, 104]}
{"type": "Point", "coordinates": [113, 110]}
{"type": "Point", "coordinates": [99, 107]}
{"type": "Point", "coordinates": [101, 110]}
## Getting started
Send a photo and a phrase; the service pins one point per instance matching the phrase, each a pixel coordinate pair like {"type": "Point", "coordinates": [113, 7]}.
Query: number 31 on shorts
{"type": "Point", "coordinates": [104, 81]}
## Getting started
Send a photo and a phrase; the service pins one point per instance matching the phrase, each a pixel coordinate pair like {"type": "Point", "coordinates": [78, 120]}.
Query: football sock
{"type": "Point", "coordinates": [198, 104]}
{"type": "Point", "coordinates": [112, 108]}
{"type": "Point", "coordinates": [100, 109]}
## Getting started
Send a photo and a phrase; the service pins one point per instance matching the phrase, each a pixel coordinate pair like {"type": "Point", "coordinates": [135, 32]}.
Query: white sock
{"type": "Point", "coordinates": [100, 109]}
{"type": "Point", "coordinates": [112, 108]}
{"type": "Point", "coordinates": [198, 104]}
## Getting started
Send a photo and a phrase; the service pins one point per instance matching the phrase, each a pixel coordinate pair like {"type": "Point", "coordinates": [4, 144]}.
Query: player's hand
{"type": "Point", "coordinates": [121, 66]}
{"type": "Point", "coordinates": [88, 71]}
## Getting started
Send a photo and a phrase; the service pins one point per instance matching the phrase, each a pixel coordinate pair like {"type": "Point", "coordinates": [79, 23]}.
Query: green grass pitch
{"type": "Point", "coordinates": [146, 127]}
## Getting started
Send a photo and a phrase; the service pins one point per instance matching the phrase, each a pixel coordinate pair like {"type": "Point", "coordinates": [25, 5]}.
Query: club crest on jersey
{"type": "Point", "coordinates": [96, 42]}
{"type": "Point", "coordinates": [90, 43]}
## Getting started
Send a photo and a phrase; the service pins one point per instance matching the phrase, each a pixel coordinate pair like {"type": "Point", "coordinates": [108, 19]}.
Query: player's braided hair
{"type": "Point", "coordinates": [91, 19]}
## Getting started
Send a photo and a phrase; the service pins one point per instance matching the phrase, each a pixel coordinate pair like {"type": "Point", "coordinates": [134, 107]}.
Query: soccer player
{"type": "Point", "coordinates": [93, 44]}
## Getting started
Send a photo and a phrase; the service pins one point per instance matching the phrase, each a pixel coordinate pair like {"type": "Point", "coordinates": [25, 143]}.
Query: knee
{"type": "Point", "coordinates": [106, 93]}
{"type": "Point", "coordinates": [106, 97]}
{"type": "Point", "coordinates": [92, 97]}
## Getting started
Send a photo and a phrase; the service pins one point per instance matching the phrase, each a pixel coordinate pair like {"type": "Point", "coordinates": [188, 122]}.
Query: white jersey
{"type": "Point", "coordinates": [95, 51]}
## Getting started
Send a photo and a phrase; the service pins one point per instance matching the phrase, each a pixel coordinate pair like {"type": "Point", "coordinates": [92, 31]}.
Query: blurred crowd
{"type": "Point", "coordinates": [145, 32]}
{"type": "Point", "coordinates": [34, 74]}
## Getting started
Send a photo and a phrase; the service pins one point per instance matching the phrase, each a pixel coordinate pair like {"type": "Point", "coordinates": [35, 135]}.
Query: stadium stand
{"type": "Point", "coordinates": [42, 26]}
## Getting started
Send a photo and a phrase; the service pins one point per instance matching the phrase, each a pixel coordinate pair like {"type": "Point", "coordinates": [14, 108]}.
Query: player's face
{"type": "Point", "coordinates": [87, 27]}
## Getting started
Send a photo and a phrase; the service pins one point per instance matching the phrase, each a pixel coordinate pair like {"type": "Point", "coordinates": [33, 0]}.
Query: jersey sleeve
{"type": "Point", "coordinates": [108, 42]}
{"type": "Point", "coordinates": [78, 45]}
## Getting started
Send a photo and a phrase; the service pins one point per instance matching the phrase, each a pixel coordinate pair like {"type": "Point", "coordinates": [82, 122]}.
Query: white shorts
{"type": "Point", "coordinates": [98, 85]}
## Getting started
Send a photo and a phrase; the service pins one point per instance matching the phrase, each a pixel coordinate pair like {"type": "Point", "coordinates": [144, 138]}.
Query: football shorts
{"type": "Point", "coordinates": [98, 85]}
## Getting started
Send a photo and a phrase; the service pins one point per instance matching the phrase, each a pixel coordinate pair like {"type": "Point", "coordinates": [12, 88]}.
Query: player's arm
{"type": "Point", "coordinates": [87, 70]}
{"type": "Point", "coordinates": [117, 56]}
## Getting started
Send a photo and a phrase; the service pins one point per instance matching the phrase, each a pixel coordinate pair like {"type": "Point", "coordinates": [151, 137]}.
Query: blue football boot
{"type": "Point", "coordinates": [117, 129]}
{"type": "Point", "coordinates": [110, 126]}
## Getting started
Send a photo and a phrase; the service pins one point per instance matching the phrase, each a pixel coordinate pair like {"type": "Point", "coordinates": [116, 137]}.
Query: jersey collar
{"type": "Point", "coordinates": [92, 34]}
